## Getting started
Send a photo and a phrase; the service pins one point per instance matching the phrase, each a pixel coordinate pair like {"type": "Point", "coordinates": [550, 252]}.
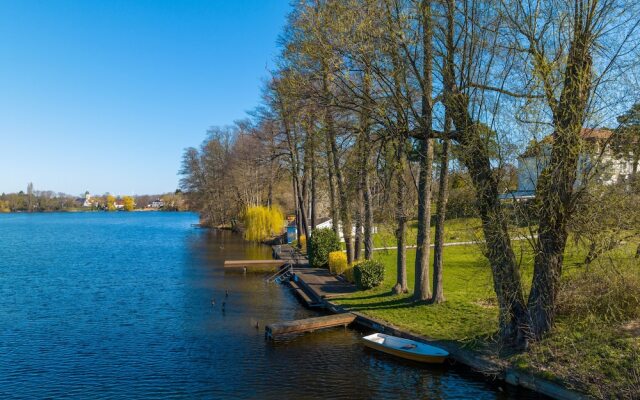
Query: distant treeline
{"type": "Point", "coordinates": [48, 201]}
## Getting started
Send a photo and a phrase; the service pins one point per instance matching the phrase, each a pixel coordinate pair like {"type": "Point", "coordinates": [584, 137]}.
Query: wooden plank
{"type": "Point", "coordinates": [322, 283]}
{"type": "Point", "coordinates": [254, 265]}
{"type": "Point", "coordinates": [303, 295]}
{"type": "Point", "coordinates": [309, 324]}
{"type": "Point", "coordinates": [234, 263]}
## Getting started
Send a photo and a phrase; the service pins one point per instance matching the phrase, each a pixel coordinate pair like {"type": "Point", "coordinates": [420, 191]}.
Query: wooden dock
{"type": "Point", "coordinates": [321, 283]}
{"type": "Point", "coordinates": [291, 254]}
{"type": "Point", "coordinates": [308, 298]}
{"type": "Point", "coordinates": [254, 265]}
{"type": "Point", "coordinates": [309, 324]}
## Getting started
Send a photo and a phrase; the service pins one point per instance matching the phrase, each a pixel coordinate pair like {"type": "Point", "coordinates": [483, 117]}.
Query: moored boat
{"type": "Point", "coordinates": [405, 348]}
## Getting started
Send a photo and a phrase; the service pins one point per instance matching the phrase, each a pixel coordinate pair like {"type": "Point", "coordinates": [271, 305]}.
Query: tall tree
{"type": "Point", "coordinates": [422, 289]}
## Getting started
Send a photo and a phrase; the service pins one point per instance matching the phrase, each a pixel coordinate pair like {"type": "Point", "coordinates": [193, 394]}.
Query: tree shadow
{"type": "Point", "coordinates": [373, 296]}
{"type": "Point", "coordinates": [397, 303]}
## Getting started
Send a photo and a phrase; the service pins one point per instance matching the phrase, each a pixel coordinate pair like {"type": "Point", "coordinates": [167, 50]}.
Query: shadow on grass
{"type": "Point", "coordinates": [373, 296]}
{"type": "Point", "coordinates": [397, 303]}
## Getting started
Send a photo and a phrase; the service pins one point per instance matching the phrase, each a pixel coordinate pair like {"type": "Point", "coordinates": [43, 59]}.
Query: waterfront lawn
{"type": "Point", "coordinates": [455, 230]}
{"type": "Point", "coordinates": [469, 312]}
{"type": "Point", "coordinates": [595, 346]}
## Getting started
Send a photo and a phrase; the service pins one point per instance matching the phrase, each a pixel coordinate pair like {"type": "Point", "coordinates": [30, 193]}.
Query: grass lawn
{"type": "Point", "coordinates": [470, 308]}
{"type": "Point", "coordinates": [456, 230]}
{"type": "Point", "coordinates": [591, 348]}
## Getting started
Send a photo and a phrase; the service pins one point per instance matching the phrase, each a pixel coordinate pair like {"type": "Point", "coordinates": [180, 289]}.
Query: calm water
{"type": "Point", "coordinates": [97, 305]}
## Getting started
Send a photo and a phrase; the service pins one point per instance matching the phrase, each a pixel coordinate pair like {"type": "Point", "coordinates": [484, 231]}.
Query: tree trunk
{"type": "Point", "coordinates": [304, 200]}
{"type": "Point", "coordinates": [357, 248]}
{"type": "Point", "coordinates": [441, 212]}
{"type": "Point", "coordinates": [555, 186]}
{"type": "Point", "coordinates": [297, 211]}
{"type": "Point", "coordinates": [401, 220]}
{"type": "Point", "coordinates": [345, 216]}
{"type": "Point", "coordinates": [332, 189]}
{"type": "Point", "coordinates": [364, 169]}
{"type": "Point", "coordinates": [422, 288]}
{"type": "Point", "coordinates": [513, 315]}
{"type": "Point", "coordinates": [443, 190]}
{"type": "Point", "coordinates": [302, 211]}
{"type": "Point", "coordinates": [314, 193]}
{"type": "Point", "coordinates": [368, 217]}
{"type": "Point", "coordinates": [514, 319]}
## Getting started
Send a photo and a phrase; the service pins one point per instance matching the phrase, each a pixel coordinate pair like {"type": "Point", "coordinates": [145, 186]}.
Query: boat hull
{"type": "Point", "coordinates": [406, 354]}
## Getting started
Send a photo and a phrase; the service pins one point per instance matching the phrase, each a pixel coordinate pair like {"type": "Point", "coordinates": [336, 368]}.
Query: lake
{"type": "Point", "coordinates": [119, 305]}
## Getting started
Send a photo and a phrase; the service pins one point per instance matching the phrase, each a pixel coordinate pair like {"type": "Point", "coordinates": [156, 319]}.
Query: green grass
{"type": "Point", "coordinates": [588, 349]}
{"type": "Point", "coordinates": [456, 230]}
{"type": "Point", "coordinates": [469, 311]}
{"type": "Point", "coordinates": [589, 355]}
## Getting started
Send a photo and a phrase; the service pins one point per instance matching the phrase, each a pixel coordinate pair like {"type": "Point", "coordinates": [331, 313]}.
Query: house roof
{"type": "Point", "coordinates": [322, 220]}
{"type": "Point", "coordinates": [596, 134]}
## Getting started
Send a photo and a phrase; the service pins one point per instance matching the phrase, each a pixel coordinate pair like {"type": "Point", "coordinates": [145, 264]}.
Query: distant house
{"type": "Point", "coordinates": [327, 223]}
{"type": "Point", "coordinates": [87, 200]}
{"type": "Point", "coordinates": [611, 169]}
{"type": "Point", "coordinates": [157, 203]}
{"type": "Point", "coordinates": [119, 204]}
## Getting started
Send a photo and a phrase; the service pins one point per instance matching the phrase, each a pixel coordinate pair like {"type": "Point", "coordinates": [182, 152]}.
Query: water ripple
{"type": "Point", "coordinates": [118, 306]}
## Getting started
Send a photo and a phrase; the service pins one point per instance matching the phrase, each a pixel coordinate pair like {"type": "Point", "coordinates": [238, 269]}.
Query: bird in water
{"type": "Point", "coordinates": [224, 304]}
{"type": "Point", "coordinates": [226, 293]}
{"type": "Point", "coordinates": [213, 302]}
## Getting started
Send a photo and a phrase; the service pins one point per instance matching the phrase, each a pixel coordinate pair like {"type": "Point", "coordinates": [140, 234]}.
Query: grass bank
{"type": "Point", "coordinates": [594, 347]}
{"type": "Point", "coordinates": [456, 230]}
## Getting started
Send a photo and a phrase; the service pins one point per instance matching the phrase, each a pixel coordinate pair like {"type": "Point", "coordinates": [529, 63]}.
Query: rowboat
{"type": "Point", "coordinates": [405, 348]}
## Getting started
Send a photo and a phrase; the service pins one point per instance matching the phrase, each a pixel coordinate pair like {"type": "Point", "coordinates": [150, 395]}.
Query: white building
{"type": "Point", "coordinates": [611, 168]}
{"type": "Point", "coordinates": [157, 203]}
{"type": "Point", "coordinates": [87, 200]}
{"type": "Point", "coordinates": [327, 223]}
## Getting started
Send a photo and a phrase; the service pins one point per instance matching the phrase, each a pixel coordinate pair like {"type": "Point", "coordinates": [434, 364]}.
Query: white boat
{"type": "Point", "coordinates": [405, 348]}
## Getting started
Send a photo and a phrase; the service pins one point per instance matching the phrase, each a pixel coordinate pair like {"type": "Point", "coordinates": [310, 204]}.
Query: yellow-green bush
{"type": "Point", "coordinates": [303, 241]}
{"type": "Point", "coordinates": [348, 274]}
{"type": "Point", "coordinates": [129, 203]}
{"type": "Point", "coordinates": [262, 223]}
{"type": "Point", "coordinates": [337, 262]}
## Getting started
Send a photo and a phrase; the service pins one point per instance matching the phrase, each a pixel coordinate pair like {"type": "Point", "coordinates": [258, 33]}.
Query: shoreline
{"type": "Point", "coordinates": [479, 363]}
{"type": "Point", "coordinates": [89, 211]}
{"type": "Point", "coordinates": [476, 361]}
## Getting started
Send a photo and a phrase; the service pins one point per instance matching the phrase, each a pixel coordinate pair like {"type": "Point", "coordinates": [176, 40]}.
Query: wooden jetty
{"type": "Point", "coordinates": [287, 252]}
{"type": "Point", "coordinates": [322, 284]}
{"type": "Point", "coordinates": [308, 298]}
{"type": "Point", "coordinates": [309, 324]}
{"type": "Point", "coordinates": [254, 265]}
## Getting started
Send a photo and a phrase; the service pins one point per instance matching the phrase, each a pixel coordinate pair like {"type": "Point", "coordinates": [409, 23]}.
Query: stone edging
{"type": "Point", "coordinates": [484, 365]}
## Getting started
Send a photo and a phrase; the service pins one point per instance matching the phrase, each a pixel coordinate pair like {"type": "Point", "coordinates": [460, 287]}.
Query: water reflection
{"type": "Point", "coordinates": [120, 306]}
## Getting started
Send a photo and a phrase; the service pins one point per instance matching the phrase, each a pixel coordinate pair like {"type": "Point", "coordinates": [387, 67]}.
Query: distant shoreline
{"type": "Point", "coordinates": [90, 211]}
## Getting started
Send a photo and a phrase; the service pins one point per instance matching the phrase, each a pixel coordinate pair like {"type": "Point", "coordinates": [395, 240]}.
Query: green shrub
{"type": "Point", "coordinates": [611, 293]}
{"type": "Point", "coordinates": [321, 243]}
{"type": "Point", "coordinates": [368, 274]}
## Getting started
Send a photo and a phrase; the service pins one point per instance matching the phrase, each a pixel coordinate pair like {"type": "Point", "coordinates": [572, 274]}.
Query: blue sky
{"type": "Point", "coordinates": [105, 95]}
